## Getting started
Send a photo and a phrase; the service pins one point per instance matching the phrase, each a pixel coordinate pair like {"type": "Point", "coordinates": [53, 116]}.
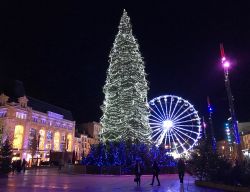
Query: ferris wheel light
{"type": "Point", "coordinates": [174, 123]}
{"type": "Point", "coordinates": [167, 124]}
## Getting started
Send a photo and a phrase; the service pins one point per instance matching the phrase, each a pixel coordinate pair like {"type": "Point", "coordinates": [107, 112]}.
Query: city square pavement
{"type": "Point", "coordinates": [50, 180]}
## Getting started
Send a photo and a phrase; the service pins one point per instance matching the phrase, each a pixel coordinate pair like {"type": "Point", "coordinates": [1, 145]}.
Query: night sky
{"type": "Point", "coordinates": [60, 51]}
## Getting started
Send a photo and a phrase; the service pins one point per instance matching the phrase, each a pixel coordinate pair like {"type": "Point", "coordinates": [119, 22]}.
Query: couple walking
{"type": "Point", "coordinates": [156, 170]}
{"type": "Point", "coordinates": [138, 173]}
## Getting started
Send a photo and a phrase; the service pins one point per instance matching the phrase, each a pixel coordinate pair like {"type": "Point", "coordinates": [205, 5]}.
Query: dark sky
{"type": "Point", "coordinates": [60, 50]}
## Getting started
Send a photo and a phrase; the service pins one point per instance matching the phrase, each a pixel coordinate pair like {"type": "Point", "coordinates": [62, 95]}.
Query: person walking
{"type": "Point", "coordinates": [181, 169]}
{"type": "Point", "coordinates": [138, 173]}
{"type": "Point", "coordinates": [24, 165]}
{"type": "Point", "coordinates": [156, 171]}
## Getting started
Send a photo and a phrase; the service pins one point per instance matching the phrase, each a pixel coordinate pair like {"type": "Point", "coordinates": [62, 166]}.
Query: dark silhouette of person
{"type": "Point", "coordinates": [13, 166]}
{"type": "Point", "coordinates": [24, 165]}
{"type": "Point", "coordinates": [181, 169]}
{"type": "Point", "coordinates": [156, 171]}
{"type": "Point", "coordinates": [19, 165]}
{"type": "Point", "coordinates": [138, 173]}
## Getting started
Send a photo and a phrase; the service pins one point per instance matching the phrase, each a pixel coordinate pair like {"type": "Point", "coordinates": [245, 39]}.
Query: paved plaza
{"type": "Point", "coordinates": [50, 180]}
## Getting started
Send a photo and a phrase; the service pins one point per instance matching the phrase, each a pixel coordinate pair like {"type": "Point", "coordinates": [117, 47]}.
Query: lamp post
{"type": "Point", "coordinates": [226, 65]}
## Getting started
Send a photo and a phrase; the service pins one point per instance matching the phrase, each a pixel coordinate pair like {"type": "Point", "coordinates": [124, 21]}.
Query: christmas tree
{"type": "Point", "coordinates": [125, 111]}
{"type": "Point", "coordinates": [5, 157]}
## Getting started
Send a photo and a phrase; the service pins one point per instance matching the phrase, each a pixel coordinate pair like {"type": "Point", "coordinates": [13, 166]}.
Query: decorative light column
{"type": "Point", "coordinates": [226, 65]}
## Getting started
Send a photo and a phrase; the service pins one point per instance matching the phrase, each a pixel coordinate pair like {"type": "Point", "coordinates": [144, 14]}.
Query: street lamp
{"type": "Point", "coordinates": [226, 65]}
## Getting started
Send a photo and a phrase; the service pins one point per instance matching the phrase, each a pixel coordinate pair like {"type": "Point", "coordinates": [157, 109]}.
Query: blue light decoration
{"type": "Point", "coordinates": [228, 133]}
{"type": "Point", "coordinates": [125, 154]}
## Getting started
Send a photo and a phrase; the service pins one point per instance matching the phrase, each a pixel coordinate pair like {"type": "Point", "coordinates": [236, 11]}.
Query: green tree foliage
{"type": "Point", "coordinates": [206, 164]}
{"type": "Point", "coordinates": [5, 157]}
{"type": "Point", "coordinates": [125, 111]}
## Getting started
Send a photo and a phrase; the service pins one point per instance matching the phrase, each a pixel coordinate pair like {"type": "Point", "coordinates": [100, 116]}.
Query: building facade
{"type": "Point", "coordinates": [226, 148]}
{"type": "Point", "coordinates": [89, 135]}
{"type": "Point", "coordinates": [29, 128]}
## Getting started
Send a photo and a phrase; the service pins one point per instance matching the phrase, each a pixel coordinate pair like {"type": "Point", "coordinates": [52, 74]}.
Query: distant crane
{"type": "Point", "coordinates": [226, 65]}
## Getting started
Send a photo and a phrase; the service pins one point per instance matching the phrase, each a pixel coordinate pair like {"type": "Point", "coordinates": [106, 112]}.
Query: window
{"type": "Point", "coordinates": [49, 135]}
{"type": "Point", "coordinates": [18, 137]}
{"type": "Point", "coordinates": [41, 139]}
{"type": "Point", "coordinates": [21, 115]}
{"type": "Point", "coordinates": [32, 134]}
{"type": "Point", "coordinates": [57, 141]}
{"type": "Point", "coordinates": [69, 143]}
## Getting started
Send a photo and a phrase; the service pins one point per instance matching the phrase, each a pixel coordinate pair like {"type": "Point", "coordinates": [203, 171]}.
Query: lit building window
{"type": "Point", "coordinates": [35, 119]}
{"type": "Point", "coordinates": [21, 115]}
{"type": "Point", "coordinates": [43, 121]}
{"type": "Point", "coordinates": [57, 141]}
{"type": "Point", "coordinates": [69, 142]}
{"type": "Point", "coordinates": [32, 135]}
{"type": "Point", "coordinates": [49, 135]}
{"type": "Point", "coordinates": [41, 139]}
{"type": "Point", "coordinates": [18, 137]}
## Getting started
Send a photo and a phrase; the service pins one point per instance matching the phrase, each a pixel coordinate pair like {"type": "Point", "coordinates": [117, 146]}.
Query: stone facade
{"type": "Point", "coordinates": [21, 124]}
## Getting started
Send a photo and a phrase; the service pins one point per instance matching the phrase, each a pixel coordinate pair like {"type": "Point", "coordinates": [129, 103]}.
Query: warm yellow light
{"type": "Point", "coordinates": [57, 141]}
{"type": "Point", "coordinates": [69, 140]}
{"type": "Point", "coordinates": [18, 137]}
{"type": "Point", "coordinates": [42, 139]}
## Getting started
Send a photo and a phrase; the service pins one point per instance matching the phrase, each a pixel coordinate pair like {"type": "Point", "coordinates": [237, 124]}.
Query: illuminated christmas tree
{"type": "Point", "coordinates": [125, 111]}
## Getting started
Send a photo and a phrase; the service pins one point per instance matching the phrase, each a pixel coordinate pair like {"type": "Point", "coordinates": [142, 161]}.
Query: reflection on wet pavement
{"type": "Point", "coordinates": [51, 180]}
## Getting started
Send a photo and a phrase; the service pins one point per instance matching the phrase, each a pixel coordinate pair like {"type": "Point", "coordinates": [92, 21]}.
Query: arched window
{"type": "Point", "coordinates": [57, 141]}
{"type": "Point", "coordinates": [69, 143]}
{"type": "Point", "coordinates": [41, 139]}
{"type": "Point", "coordinates": [18, 137]}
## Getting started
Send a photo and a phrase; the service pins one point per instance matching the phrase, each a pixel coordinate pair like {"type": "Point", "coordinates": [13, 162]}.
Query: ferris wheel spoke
{"type": "Point", "coordinates": [156, 113]}
{"type": "Point", "coordinates": [174, 142]}
{"type": "Point", "coordinates": [176, 103]}
{"type": "Point", "coordinates": [156, 119]}
{"type": "Point", "coordinates": [182, 113]}
{"type": "Point", "coordinates": [181, 144]}
{"type": "Point", "coordinates": [191, 120]}
{"type": "Point", "coordinates": [184, 134]}
{"type": "Point", "coordinates": [159, 131]}
{"type": "Point", "coordinates": [166, 107]}
{"type": "Point", "coordinates": [159, 111]}
{"type": "Point", "coordinates": [188, 115]}
{"type": "Point", "coordinates": [162, 110]}
{"type": "Point", "coordinates": [156, 128]}
{"type": "Point", "coordinates": [156, 123]}
{"type": "Point", "coordinates": [178, 127]}
{"type": "Point", "coordinates": [160, 137]}
{"type": "Point", "coordinates": [170, 107]}
{"type": "Point", "coordinates": [179, 110]}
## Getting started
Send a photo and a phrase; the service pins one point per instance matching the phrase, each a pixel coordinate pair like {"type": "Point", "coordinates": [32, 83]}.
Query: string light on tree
{"type": "Point", "coordinates": [125, 111]}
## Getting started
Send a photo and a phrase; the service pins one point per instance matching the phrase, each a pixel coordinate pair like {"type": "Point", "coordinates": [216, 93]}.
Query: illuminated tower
{"type": "Point", "coordinates": [226, 65]}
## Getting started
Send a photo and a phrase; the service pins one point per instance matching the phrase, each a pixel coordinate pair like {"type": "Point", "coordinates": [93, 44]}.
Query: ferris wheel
{"type": "Point", "coordinates": [174, 123]}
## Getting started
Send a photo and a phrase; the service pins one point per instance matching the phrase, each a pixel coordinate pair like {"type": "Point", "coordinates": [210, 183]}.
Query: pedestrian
{"type": "Point", "coordinates": [24, 165]}
{"type": "Point", "coordinates": [19, 165]}
{"type": "Point", "coordinates": [181, 169]}
{"type": "Point", "coordinates": [13, 166]}
{"type": "Point", "coordinates": [138, 173]}
{"type": "Point", "coordinates": [156, 171]}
